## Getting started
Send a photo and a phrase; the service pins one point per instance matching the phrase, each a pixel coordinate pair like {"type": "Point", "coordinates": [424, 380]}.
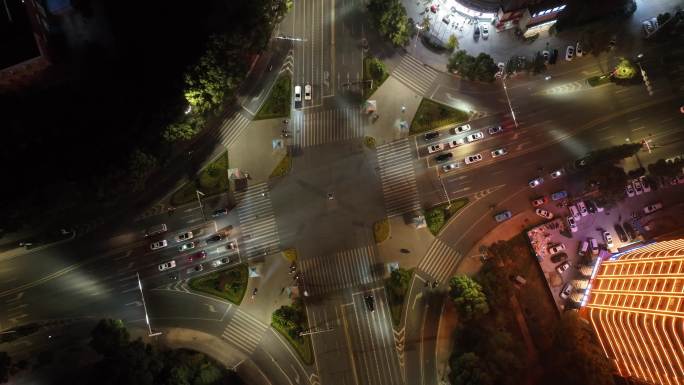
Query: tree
{"type": "Point", "coordinates": [109, 336]}
{"type": "Point", "coordinates": [399, 282]}
{"type": "Point", "coordinates": [468, 297]}
{"type": "Point", "coordinates": [576, 357]}
{"type": "Point", "coordinates": [495, 283]}
{"type": "Point", "coordinates": [377, 69]}
{"type": "Point", "coordinates": [666, 169]}
{"type": "Point", "coordinates": [140, 166]}
{"type": "Point", "coordinates": [663, 17]}
{"type": "Point", "coordinates": [394, 24]}
{"type": "Point", "coordinates": [5, 367]}
{"type": "Point", "coordinates": [614, 154]}
{"type": "Point", "coordinates": [480, 68]}
{"type": "Point", "coordinates": [595, 41]}
{"type": "Point", "coordinates": [611, 181]}
{"type": "Point", "coordinates": [452, 43]}
{"type": "Point", "coordinates": [469, 369]}
{"type": "Point", "coordinates": [538, 65]}
{"type": "Point", "coordinates": [624, 69]}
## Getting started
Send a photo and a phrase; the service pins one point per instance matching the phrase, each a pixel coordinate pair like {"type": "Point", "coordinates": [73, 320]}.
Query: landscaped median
{"type": "Point", "coordinates": [381, 230]}
{"type": "Point", "coordinates": [397, 285]}
{"type": "Point", "coordinates": [212, 180]}
{"type": "Point", "coordinates": [283, 167]}
{"type": "Point", "coordinates": [431, 115]}
{"type": "Point", "coordinates": [374, 74]}
{"type": "Point", "coordinates": [229, 284]}
{"type": "Point", "coordinates": [437, 216]}
{"type": "Point", "coordinates": [290, 321]}
{"type": "Point", "coordinates": [278, 103]}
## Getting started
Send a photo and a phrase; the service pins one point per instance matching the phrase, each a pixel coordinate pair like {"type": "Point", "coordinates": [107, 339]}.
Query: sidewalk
{"type": "Point", "coordinates": [270, 296]}
{"type": "Point", "coordinates": [405, 236]}
{"type": "Point", "coordinates": [391, 97]}
{"type": "Point", "coordinates": [253, 151]}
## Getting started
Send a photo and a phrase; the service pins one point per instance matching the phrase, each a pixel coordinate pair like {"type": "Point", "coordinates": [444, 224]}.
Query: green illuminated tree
{"type": "Point", "coordinates": [624, 69]}
{"type": "Point", "coordinates": [468, 297]}
{"type": "Point", "coordinates": [452, 43]}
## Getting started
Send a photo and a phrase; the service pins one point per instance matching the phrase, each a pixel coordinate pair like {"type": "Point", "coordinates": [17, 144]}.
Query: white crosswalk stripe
{"type": "Point", "coordinates": [232, 128]}
{"type": "Point", "coordinates": [440, 261]}
{"type": "Point", "coordinates": [415, 75]}
{"type": "Point", "coordinates": [320, 127]}
{"type": "Point", "coordinates": [257, 221]}
{"type": "Point", "coordinates": [398, 178]}
{"type": "Point", "coordinates": [244, 331]}
{"type": "Point", "coordinates": [341, 270]}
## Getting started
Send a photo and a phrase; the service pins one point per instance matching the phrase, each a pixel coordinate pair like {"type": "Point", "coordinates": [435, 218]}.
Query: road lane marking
{"type": "Point", "coordinates": [634, 119]}
{"type": "Point", "coordinates": [638, 128]}
{"type": "Point", "coordinates": [349, 345]}
{"type": "Point", "coordinates": [279, 367]}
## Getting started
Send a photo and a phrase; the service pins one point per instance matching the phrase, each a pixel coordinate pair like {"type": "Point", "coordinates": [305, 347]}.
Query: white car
{"type": "Point", "coordinates": [187, 246]}
{"type": "Point", "coordinates": [456, 142]}
{"type": "Point", "coordinates": [555, 249]}
{"type": "Point", "coordinates": [653, 208]}
{"type": "Point", "coordinates": [307, 92]}
{"type": "Point", "coordinates": [569, 53]}
{"type": "Point", "coordinates": [565, 292]}
{"type": "Point", "coordinates": [536, 182]}
{"type": "Point", "coordinates": [167, 265]}
{"type": "Point", "coordinates": [562, 267]}
{"type": "Point", "coordinates": [543, 213]}
{"type": "Point", "coordinates": [546, 55]}
{"type": "Point", "coordinates": [474, 137]}
{"type": "Point", "coordinates": [582, 208]}
{"type": "Point", "coordinates": [630, 190]}
{"type": "Point", "coordinates": [574, 212]}
{"type": "Point", "coordinates": [485, 31]}
{"type": "Point", "coordinates": [556, 173]}
{"type": "Point", "coordinates": [608, 239]}
{"type": "Point", "coordinates": [473, 158]}
{"type": "Point", "coordinates": [184, 236]}
{"type": "Point", "coordinates": [645, 184]}
{"type": "Point", "coordinates": [298, 94]}
{"type": "Point", "coordinates": [219, 262]}
{"type": "Point", "coordinates": [499, 152]}
{"type": "Point", "coordinates": [460, 129]}
{"type": "Point", "coordinates": [500, 72]}
{"type": "Point", "coordinates": [449, 167]}
{"type": "Point", "coordinates": [572, 224]}
{"type": "Point", "coordinates": [638, 188]}
{"type": "Point", "coordinates": [435, 148]}
{"type": "Point", "coordinates": [158, 245]}
{"type": "Point", "coordinates": [539, 201]}
{"type": "Point", "coordinates": [578, 49]}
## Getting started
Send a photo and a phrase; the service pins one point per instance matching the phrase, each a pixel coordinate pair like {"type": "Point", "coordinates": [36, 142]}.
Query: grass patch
{"type": "Point", "coordinates": [431, 115]}
{"type": "Point", "coordinates": [278, 103]}
{"type": "Point", "coordinates": [290, 254]}
{"type": "Point", "coordinates": [595, 81]}
{"type": "Point", "coordinates": [369, 141]}
{"type": "Point", "coordinates": [212, 180]}
{"type": "Point", "coordinates": [437, 216]}
{"type": "Point", "coordinates": [290, 321]}
{"type": "Point", "coordinates": [301, 345]}
{"type": "Point", "coordinates": [229, 284]}
{"type": "Point", "coordinates": [381, 230]}
{"type": "Point", "coordinates": [283, 167]}
{"type": "Point", "coordinates": [396, 294]}
{"type": "Point", "coordinates": [373, 69]}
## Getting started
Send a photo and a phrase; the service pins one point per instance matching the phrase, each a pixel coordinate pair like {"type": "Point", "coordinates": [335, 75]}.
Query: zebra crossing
{"type": "Point", "coordinates": [257, 221]}
{"type": "Point", "coordinates": [231, 129]}
{"type": "Point", "coordinates": [244, 331]}
{"type": "Point", "coordinates": [415, 75]}
{"type": "Point", "coordinates": [342, 270]}
{"type": "Point", "coordinates": [327, 126]}
{"type": "Point", "coordinates": [440, 261]}
{"type": "Point", "coordinates": [398, 178]}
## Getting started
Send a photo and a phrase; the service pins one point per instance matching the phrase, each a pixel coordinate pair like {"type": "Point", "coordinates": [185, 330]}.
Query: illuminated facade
{"type": "Point", "coordinates": [636, 306]}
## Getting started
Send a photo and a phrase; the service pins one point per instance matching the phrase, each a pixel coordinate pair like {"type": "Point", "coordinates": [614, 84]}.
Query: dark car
{"type": "Point", "coordinates": [444, 157]}
{"type": "Point", "coordinates": [199, 255]}
{"type": "Point", "coordinates": [554, 57]}
{"type": "Point", "coordinates": [370, 302]}
{"type": "Point", "coordinates": [629, 230]}
{"type": "Point", "coordinates": [432, 135]}
{"type": "Point", "coordinates": [559, 257]}
{"type": "Point", "coordinates": [219, 212]}
{"type": "Point", "coordinates": [620, 232]}
{"type": "Point", "coordinates": [591, 207]}
{"type": "Point", "coordinates": [215, 238]}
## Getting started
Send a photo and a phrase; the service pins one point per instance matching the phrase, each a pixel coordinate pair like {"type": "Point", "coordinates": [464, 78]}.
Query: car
{"type": "Point", "coordinates": [499, 73]}
{"type": "Point", "coordinates": [495, 130]}
{"type": "Point", "coordinates": [456, 142]}
{"type": "Point", "coordinates": [608, 239]}
{"type": "Point", "coordinates": [590, 206]}
{"type": "Point", "coordinates": [187, 246]}
{"type": "Point", "coordinates": [449, 167]}
{"type": "Point", "coordinates": [434, 8]}
{"type": "Point", "coordinates": [578, 49]}
{"type": "Point", "coordinates": [158, 245]}
{"type": "Point", "coordinates": [184, 236]}
{"type": "Point", "coordinates": [562, 267]}
{"type": "Point", "coordinates": [556, 173]}
{"type": "Point", "coordinates": [231, 245]}
{"type": "Point", "coordinates": [431, 135]}
{"type": "Point", "coordinates": [195, 269]}
{"type": "Point", "coordinates": [629, 230]}
{"type": "Point", "coordinates": [653, 207]}
{"type": "Point", "coordinates": [499, 152]}
{"type": "Point", "coordinates": [574, 212]}
{"type": "Point", "coordinates": [569, 53]}
{"type": "Point", "coordinates": [582, 162]}
{"type": "Point", "coordinates": [215, 238]}
{"type": "Point", "coordinates": [474, 137]}
{"type": "Point", "coordinates": [460, 129]}
{"type": "Point", "coordinates": [638, 188]}
{"type": "Point", "coordinates": [444, 157]}
{"type": "Point", "coordinates": [620, 232]}
{"type": "Point", "coordinates": [446, 20]}
{"type": "Point", "coordinates": [307, 92]}
{"type": "Point", "coordinates": [543, 213]}
{"type": "Point", "coordinates": [558, 195]}
{"type": "Point", "coordinates": [582, 208]}
{"type": "Point", "coordinates": [612, 42]}
{"type": "Point", "coordinates": [476, 32]}
{"type": "Point", "coordinates": [679, 179]}
{"type": "Point", "coordinates": [599, 206]}
{"type": "Point", "coordinates": [630, 190]}
{"type": "Point", "coordinates": [453, 9]}
{"type": "Point", "coordinates": [167, 265]}
{"type": "Point", "coordinates": [219, 262]}
{"type": "Point", "coordinates": [572, 224]}
{"type": "Point", "coordinates": [647, 28]}
{"type": "Point", "coordinates": [198, 255]}
{"type": "Point", "coordinates": [536, 182]}
{"type": "Point", "coordinates": [546, 55]}
{"type": "Point", "coordinates": [370, 302]}
{"type": "Point", "coordinates": [645, 184]}
{"type": "Point", "coordinates": [485, 31]}
{"type": "Point", "coordinates": [435, 148]}
{"type": "Point", "coordinates": [298, 96]}
{"type": "Point", "coordinates": [539, 201]}
{"type": "Point", "coordinates": [220, 212]}
{"type": "Point", "coordinates": [554, 57]}
{"type": "Point", "coordinates": [557, 248]}
{"type": "Point", "coordinates": [594, 246]}
{"type": "Point", "coordinates": [503, 216]}
{"type": "Point", "coordinates": [566, 291]}
{"type": "Point", "coordinates": [559, 257]}
{"type": "Point", "coordinates": [473, 158]}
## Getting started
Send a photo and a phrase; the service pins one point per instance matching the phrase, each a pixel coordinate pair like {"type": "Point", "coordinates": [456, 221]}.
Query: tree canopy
{"type": "Point", "coordinates": [480, 67]}
{"type": "Point", "coordinates": [468, 297]}
{"type": "Point", "coordinates": [109, 336]}
{"type": "Point", "coordinates": [666, 169]}
{"type": "Point", "coordinates": [391, 20]}
{"type": "Point", "coordinates": [469, 369]}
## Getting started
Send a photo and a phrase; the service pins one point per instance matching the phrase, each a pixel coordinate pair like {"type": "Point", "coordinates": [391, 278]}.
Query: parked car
{"type": "Point", "coordinates": [546, 55]}
{"type": "Point", "coordinates": [559, 257]}
{"type": "Point", "coordinates": [219, 262]}
{"type": "Point", "coordinates": [557, 248]}
{"type": "Point", "coordinates": [476, 32]}
{"type": "Point", "coordinates": [449, 167]}
{"type": "Point", "coordinates": [536, 182]}
{"type": "Point", "coordinates": [220, 212]}
{"type": "Point", "coordinates": [556, 173]}
{"type": "Point", "coordinates": [582, 208]}
{"type": "Point", "coordinates": [562, 267]}
{"type": "Point", "coordinates": [620, 233]}
{"type": "Point", "coordinates": [653, 207]}
{"type": "Point", "coordinates": [629, 190]}
{"type": "Point", "coordinates": [184, 236]}
{"type": "Point", "coordinates": [456, 142]}
{"type": "Point", "coordinates": [645, 184]}
{"type": "Point", "coordinates": [543, 213]}
{"type": "Point", "coordinates": [444, 157]}
{"type": "Point", "coordinates": [591, 207]}
{"type": "Point", "coordinates": [495, 130]}
{"type": "Point", "coordinates": [629, 230]}
{"type": "Point", "coordinates": [158, 245]}
{"type": "Point", "coordinates": [593, 244]}
{"type": "Point", "coordinates": [215, 238]}
{"type": "Point", "coordinates": [435, 148]}
{"type": "Point", "coordinates": [574, 212]}
{"type": "Point", "coordinates": [431, 135]}
{"type": "Point", "coordinates": [554, 57]}
{"type": "Point", "coordinates": [638, 188]}
{"type": "Point", "coordinates": [474, 137]}
{"type": "Point", "coordinates": [473, 158]}
{"type": "Point", "coordinates": [187, 246]}
{"type": "Point", "coordinates": [539, 201]}
{"type": "Point", "coordinates": [503, 216]}
{"type": "Point", "coordinates": [578, 49]}
{"type": "Point", "coordinates": [167, 265]}
{"type": "Point", "coordinates": [569, 53]}
{"type": "Point", "coordinates": [566, 290]}
{"type": "Point", "coordinates": [485, 31]}
{"type": "Point", "coordinates": [572, 224]}
{"type": "Point", "coordinates": [558, 195]}
{"type": "Point", "coordinates": [460, 129]}
{"type": "Point", "coordinates": [608, 239]}
{"type": "Point", "coordinates": [370, 302]}
{"type": "Point", "coordinates": [499, 152]}
{"type": "Point", "coordinates": [599, 206]}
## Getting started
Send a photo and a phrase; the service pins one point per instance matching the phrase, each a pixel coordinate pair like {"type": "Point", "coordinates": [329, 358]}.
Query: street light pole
{"type": "Point", "coordinates": [147, 318]}
{"type": "Point", "coordinates": [510, 106]}
{"type": "Point", "coordinates": [199, 200]}
{"type": "Point", "coordinates": [445, 192]}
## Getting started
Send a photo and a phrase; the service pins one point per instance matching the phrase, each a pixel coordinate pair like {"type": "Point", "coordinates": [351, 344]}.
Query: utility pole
{"type": "Point", "coordinates": [199, 200]}
{"type": "Point", "coordinates": [147, 318]}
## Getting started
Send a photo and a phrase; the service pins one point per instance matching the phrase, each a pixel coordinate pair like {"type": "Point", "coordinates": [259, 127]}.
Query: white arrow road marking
{"type": "Point", "coordinates": [136, 303]}
{"type": "Point", "coordinates": [211, 308]}
{"type": "Point", "coordinates": [296, 374]}
{"type": "Point", "coordinates": [416, 299]}
{"type": "Point", "coordinates": [17, 298]}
